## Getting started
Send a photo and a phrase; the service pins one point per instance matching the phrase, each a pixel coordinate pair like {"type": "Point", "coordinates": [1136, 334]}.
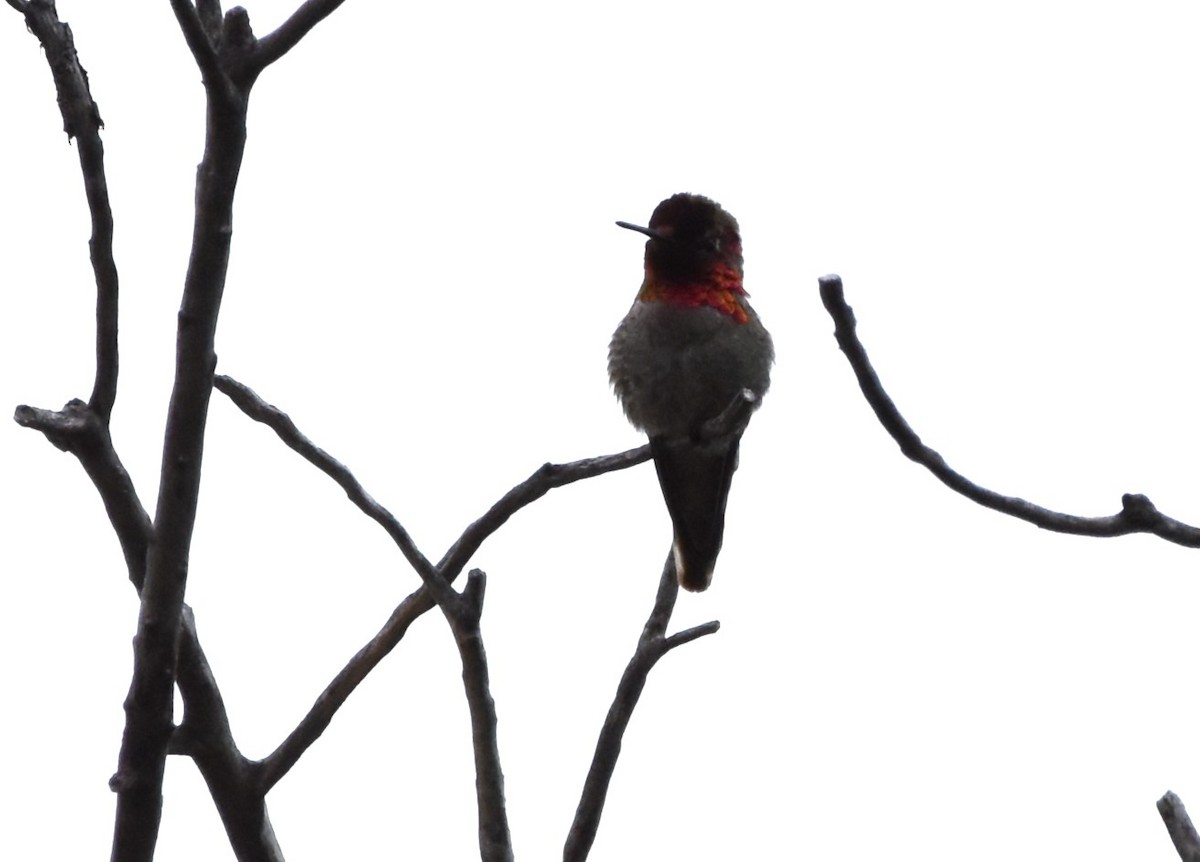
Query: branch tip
{"type": "Point", "coordinates": [688, 635]}
{"type": "Point", "coordinates": [1139, 510]}
{"type": "Point", "coordinates": [1179, 827]}
{"type": "Point", "coordinates": [472, 594]}
{"type": "Point", "coordinates": [237, 31]}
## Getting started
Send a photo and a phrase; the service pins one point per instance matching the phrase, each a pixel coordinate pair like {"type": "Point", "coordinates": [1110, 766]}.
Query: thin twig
{"type": "Point", "coordinates": [544, 479]}
{"type": "Point", "coordinates": [652, 645]}
{"type": "Point", "coordinates": [256, 408]}
{"type": "Point", "coordinates": [1137, 515]}
{"type": "Point", "coordinates": [1179, 827]}
{"type": "Point", "coordinates": [279, 762]}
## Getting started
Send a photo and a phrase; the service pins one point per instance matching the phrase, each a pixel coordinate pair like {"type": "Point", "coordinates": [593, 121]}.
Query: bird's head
{"type": "Point", "coordinates": [690, 239]}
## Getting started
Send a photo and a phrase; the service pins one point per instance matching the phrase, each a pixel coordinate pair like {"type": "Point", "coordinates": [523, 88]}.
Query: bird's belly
{"type": "Point", "coordinates": [675, 367]}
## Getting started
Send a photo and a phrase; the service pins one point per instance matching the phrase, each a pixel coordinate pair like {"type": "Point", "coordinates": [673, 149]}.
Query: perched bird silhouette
{"type": "Point", "coordinates": [686, 350]}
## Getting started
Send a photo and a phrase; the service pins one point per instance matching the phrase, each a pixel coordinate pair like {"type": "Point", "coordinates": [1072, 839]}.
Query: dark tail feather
{"type": "Point", "coordinates": [695, 481]}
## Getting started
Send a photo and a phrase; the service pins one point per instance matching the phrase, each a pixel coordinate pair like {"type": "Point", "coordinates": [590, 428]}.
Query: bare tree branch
{"type": "Point", "coordinates": [463, 612]}
{"type": "Point", "coordinates": [209, 13]}
{"type": "Point", "coordinates": [199, 43]}
{"type": "Point", "coordinates": [149, 705]}
{"type": "Point", "coordinates": [543, 480]}
{"type": "Point", "coordinates": [547, 477]}
{"type": "Point", "coordinates": [252, 405]}
{"type": "Point", "coordinates": [288, 34]}
{"type": "Point", "coordinates": [688, 635]}
{"type": "Point", "coordinates": [652, 645]}
{"type": "Point", "coordinates": [286, 429]}
{"type": "Point", "coordinates": [79, 430]}
{"type": "Point", "coordinates": [277, 764]}
{"type": "Point", "coordinates": [205, 734]}
{"type": "Point", "coordinates": [81, 121]}
{"type": "Point", "coordinates": [1137, 515]}
{"type": "Point", "coordinates": [167, 648]}
{"type": "Point", "coordinates": [1179, 826]}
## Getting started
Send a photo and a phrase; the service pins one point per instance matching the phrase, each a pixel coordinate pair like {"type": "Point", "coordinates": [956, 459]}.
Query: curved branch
{"type": "Point", "coordinates": [652, 645]}
{"type": "Point", "coordinates": [81, 121]}
{"type": "Point", "coordinates": [1137, 515]}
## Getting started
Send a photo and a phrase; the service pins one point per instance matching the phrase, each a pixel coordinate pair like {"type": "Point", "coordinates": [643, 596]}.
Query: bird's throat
{"type": "Point", "coordinates": [720, 289]}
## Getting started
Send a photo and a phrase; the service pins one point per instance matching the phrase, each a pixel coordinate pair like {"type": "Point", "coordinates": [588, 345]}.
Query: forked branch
{"type": "Point", "coordinates": [543, 480]}
{"type": "Point", "coordinates": [1137, 515]}
{"type": "Point", "coordinates": [83, 430]}
{"type": "Point", "coordinates": [229, 70]}
{"type": "Point", "coordinates": [462, 612]}
{"type": "Point", "coordinates": [652, 645]}
{"type": "Point", "coordinates": [228, 53]}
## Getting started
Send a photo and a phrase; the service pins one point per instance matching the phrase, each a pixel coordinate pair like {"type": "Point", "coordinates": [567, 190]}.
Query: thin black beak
{"type": "Point", "coordinates": [650, 232]}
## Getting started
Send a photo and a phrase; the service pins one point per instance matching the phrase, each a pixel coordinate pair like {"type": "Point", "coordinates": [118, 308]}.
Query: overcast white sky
{"type": "Point", "coordinates": [425, 274]}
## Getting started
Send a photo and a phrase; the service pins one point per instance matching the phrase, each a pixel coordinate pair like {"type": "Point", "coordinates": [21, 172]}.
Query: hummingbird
{"type": "Point", "coordinates": [689, 346]}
